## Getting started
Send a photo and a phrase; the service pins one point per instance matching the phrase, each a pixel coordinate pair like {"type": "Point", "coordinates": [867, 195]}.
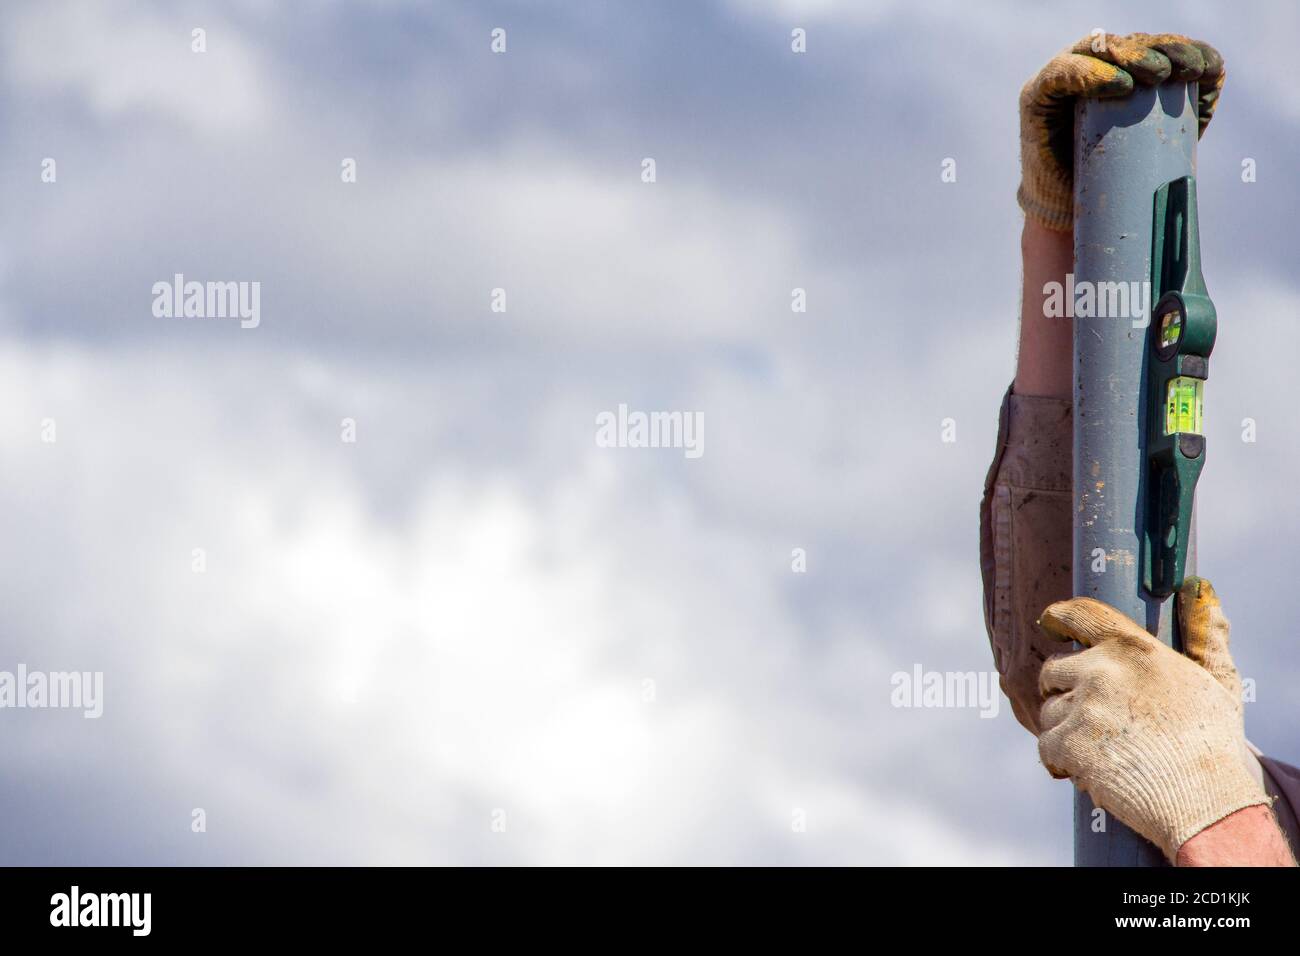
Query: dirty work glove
{"type": "Point", "coordinates": [1154, 737]}
{"type": "Point", "coordinates": [1097, 67]}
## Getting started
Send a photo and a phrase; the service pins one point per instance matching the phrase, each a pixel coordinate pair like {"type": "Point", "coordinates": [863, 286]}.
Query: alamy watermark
{"type": "Point", "coordinates": [633, 429]}
{"type": "Point", "coordinates": [946, 689]}
{"type": "Point", "coordinates": [208, 300]}
{"type": "Point", "coordinates": [1098, 300]}
{"type": "Point", "coordinates": [75, 908]}
{"type": "Point", "coordinates": [82, 690]}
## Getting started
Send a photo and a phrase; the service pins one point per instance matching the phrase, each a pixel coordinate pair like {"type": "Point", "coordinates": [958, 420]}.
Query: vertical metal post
{"type": "Point", "coordinates": [1124, 150]}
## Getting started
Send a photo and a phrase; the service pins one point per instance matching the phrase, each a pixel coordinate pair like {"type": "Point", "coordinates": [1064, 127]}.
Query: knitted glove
{"type": "Point", "coordinates": [1098, 67]}
{"type": "Point", "coordinates": [1155, 738]}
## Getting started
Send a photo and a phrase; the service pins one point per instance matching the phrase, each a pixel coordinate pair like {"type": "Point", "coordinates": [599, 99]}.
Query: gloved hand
{"type": "Point", "coordinates": [1093, 68]}
{"type": "Point", "coordinates": [1154, 737]}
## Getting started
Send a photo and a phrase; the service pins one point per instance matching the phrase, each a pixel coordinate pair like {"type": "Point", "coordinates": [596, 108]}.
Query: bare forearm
{"type": "Point", "coordinates": [1043, 365]}
{"type": "Point", "coordinates": [1249, 837]}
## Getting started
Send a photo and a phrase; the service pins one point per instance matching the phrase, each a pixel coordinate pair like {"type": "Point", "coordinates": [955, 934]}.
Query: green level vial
{"type": "Point", "coordinates": [1184, 405]}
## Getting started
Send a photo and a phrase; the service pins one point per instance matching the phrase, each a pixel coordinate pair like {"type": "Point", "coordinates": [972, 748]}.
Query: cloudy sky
{"type": "Point", "coordinates": [472, 614]}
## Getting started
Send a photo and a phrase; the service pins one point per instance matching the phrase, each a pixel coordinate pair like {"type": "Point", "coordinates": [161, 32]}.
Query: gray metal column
{"type": "Point", "coordinates": [1124, 150]}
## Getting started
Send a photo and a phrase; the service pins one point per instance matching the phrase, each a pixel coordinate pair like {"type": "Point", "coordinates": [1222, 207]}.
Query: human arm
{"type": "Point", "coordinates": [1248, 837]}
{"type": "Point", "coordinates": [1025, 513]}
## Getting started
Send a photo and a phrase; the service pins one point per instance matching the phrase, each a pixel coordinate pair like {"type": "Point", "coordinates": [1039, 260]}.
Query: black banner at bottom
{"type": "Point", "coordinates": [368, 905]}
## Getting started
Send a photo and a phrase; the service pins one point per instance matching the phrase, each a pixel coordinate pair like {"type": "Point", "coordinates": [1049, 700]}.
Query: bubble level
{"type": "Point", "coordinates": [1184, 405]}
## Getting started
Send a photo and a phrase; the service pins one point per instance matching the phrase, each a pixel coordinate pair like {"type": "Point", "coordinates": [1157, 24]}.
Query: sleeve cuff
{"type": "Point", "coordinates": [1039, 450]}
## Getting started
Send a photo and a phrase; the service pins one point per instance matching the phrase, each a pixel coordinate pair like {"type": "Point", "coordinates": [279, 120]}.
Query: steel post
{"type": "Point", "coordinates": [1124, 150]}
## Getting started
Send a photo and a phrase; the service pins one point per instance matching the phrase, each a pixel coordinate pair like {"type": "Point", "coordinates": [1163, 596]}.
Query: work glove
{"type": "Point", "coordinates": [1154, 737]}
{"type": "Point", "coordinates": [1098, 67]}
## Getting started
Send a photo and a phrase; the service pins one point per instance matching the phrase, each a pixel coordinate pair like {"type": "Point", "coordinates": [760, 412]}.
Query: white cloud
{"type": "Point", "coordinates": [484, 647]}
{"type": "Point", "coordinates": [122, 59]}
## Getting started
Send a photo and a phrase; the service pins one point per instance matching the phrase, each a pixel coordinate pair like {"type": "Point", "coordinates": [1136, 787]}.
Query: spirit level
{"type": "Point", "coordinates": [1183, 328]}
